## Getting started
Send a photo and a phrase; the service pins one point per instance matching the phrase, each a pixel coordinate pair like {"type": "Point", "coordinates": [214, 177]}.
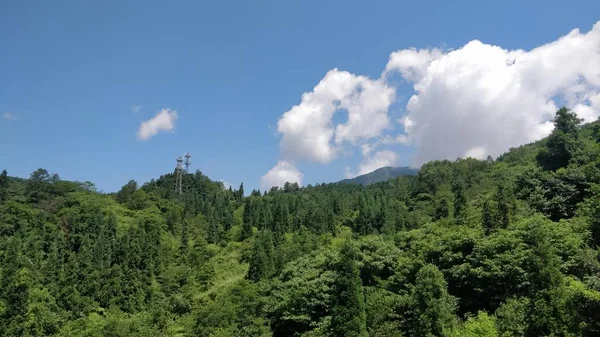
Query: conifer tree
{"type": "Point", "coordinates": [240, 193]}
{"type": "Point", "coordinates": [214, 232]}
{"type": "Point", "coordinates": [442, 209]}
{"type": "Point", "coordinates": [348, 316]}
{"type": "Point", "coordinates": [460, 199]}
{"type": "Point", "coordinates": [247, 220]}
{"type": "Point", "coordinates": [330, 221]}
{"type": "Point", "coordinates": [3, 186]}
{"type": "Point", "coordinates": [504, 202]}
{"type": "Point", "coordinates": [433, 307]}
{"type": "Point", "coordinates": [563, 142]}
{"type": "Point", "coordinates": [184, 246]}
{"type": "Point", "coordinates": [487, 218]}
{"type": "Point", "coordinates": [265, 217]}
{"type": "Point", "coordinates": [261, 261]}
{"type": "Point", "coordinates": [228, 220]}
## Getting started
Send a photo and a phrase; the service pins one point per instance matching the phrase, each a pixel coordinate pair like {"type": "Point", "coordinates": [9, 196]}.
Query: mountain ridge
{"type": "Point", "coordinates": [379, 175]}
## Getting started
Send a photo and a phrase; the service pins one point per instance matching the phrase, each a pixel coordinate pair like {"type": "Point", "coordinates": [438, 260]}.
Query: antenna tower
{"type": "Point", "coordinates": [179, 175]}
{"type": "Point", "coordinates": [187, 156]}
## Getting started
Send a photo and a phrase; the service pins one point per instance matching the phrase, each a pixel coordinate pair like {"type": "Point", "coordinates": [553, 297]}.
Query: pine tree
{"type": "Point", "coordinates": [261, 261]}
{"type": "Point", "coordinates": [433, 307]}
{"type": "Point", "coordinates": [330, 221]}
{"type": "Point", "coordinates": [125, 194]}
{"type": "Point", "coordinates": [240, 193]}
{"type": "Point", "coordinates": [364, 220]}
{"type": "Point", "coordinates": [265, 217]}
{"type": "Point", "coordinates": [228, 220]}
{"type": "Point", "coordinates": [442, 209]}
{"type": "Point", "coordinates": [214, 232]}
{"type": "Point", "coordinates": [247, 220]}
{"type": "Point", "coordinates": [184, 246]}
{"type": "Point", "coordinates": [348, 316]}
{"type": "Point", "coordinates": [280, 221]}
{"type": "Point", "coordinates": [504, 201]}
{"type": "Point", "coordinates": [563, 142]}
{"type": "Point", "coordinates": [487, 218]}
{"type": "Point", "coordinates": [593, 210]}
{"type": "Point", "coordinates": [460, 199]}
{"type": "Point", "coordinates": [3, 186]}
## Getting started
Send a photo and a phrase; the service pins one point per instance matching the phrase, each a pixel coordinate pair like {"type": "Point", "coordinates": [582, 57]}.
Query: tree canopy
{"type": "Point", "coordinates": [497, 247]}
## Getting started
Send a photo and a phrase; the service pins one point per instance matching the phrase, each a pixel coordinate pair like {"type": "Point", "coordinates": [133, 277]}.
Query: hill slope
{"type": "Point", "coordinates": [461, 248]}
{"type": "Point", "coordinates": [381, 174]}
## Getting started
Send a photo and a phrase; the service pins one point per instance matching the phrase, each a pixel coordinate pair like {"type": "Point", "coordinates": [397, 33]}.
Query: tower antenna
{"type": "Point", "coordinates": [179, 175]}
{"type": "Point", "coordinates": [187, 156]}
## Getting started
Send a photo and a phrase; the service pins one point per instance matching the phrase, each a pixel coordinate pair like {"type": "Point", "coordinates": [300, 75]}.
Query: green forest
{"type": "Point", "coordinates": [502, 247]}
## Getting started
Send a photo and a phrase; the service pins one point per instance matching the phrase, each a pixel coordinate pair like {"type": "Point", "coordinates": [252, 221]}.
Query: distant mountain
{"type": "Point", "coordinates": [381, 174]}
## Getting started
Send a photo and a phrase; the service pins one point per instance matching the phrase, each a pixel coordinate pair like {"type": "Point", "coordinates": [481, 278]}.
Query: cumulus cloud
{"type": "Point", "coordinates": [283, 172]}
{"type": "Point", "coordinates": [164, 120]}
{"type": "Point", "coordinates": [9, 116]}
{"type": "Point", "coordinates": [308, 132]}
{"type": "Point", "coordinates": [307, 129]}
{"type": "Point", "coordinates": [482, 99]}
{"type": "Point", "coordinates": [135, 108]}
{"type": "Point", "coordinates": [474, 101]}
{"type": "Point", "coordinates": [412, 63]}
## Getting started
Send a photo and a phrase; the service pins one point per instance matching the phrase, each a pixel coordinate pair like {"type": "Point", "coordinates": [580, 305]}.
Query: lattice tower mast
{"type": "Point", "coordinates": [179, 176]}
{"type": "Point", "coordinates": [188, 162]}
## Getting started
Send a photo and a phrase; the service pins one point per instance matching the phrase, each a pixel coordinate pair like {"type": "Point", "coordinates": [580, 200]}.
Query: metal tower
{"type": "Point", "coordinates": [187, 156]}
{"type": "Point", "coordinates": [179, 175]}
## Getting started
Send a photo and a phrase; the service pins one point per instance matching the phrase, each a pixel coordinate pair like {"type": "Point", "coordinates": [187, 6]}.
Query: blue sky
{"type": "Point", "coordinates": [71, 71]}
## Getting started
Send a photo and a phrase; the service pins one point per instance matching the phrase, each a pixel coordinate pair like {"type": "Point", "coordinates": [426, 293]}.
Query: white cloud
{"type": "Point", "coordinates": [283, 172]}
{"type": "Point", "coordinates": [477, 152]}
{"type": "Point", "coordinates": [308, 132]}
{"type": "Point", "coordinates": [589, 111]}
{"type": "Point", "coordinates": [163, 121]}
{"type": "Point", "coordinates": [412, 63]}
{"type": "Point", "coordinates": [135, 108]}
{"type": "Point", "coordinates": [474, 101]}
{"type": "Point", "coordinates": [377, 160]}
{"type": "Point", "coordinates": [482, 99]}
{"type": "Point", "coordinates": [9, 116]}
{"type": "Point", "coordinates": [307, 129]}
{"type": "Point", "coordinates": [372, 162]}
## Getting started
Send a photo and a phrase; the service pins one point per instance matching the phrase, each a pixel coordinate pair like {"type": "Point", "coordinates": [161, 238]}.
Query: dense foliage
{"type": "Point", "coordinates": [505, 247]}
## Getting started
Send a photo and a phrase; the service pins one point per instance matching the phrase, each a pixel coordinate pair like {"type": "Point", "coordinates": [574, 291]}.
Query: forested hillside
{"type": "Point", "coordinates": [504, 247]}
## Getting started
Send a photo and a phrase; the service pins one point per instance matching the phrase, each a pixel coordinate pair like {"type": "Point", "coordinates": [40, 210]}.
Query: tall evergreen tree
{"type": "Point", "coordinates": [348, 317]}
{"type": "Point", "coordinates": [184, 245]}
{"type": "Point", "coordinates": [487, 218]}
{"type": "Point", "coordinates": [563, 142]}
{"type": "Point", "coordinates": [504, 199]}
{"type": "Point", "coordinates": [126, 193]}
{"type": "Point", "coordinates": [247, 220]}
{"type": "Point", "coordinates": [214, 232]}
{"type": "Point", "coordinates": [442, 208]}
{"type": "Point", "coordinates": [460, 199]}
{"type": "Point", "coordinates": [240, 193]}
{"type": "Point", "coordinates": [37, 187]}
{"type": "Point", "coordinates": [261, 260]}
{"type": "Point", "coordinates": [3, 186]}
{"type": "Point", "coordinates": [229, 220]}
{"type": "Point", "coordinates": [330, 221]}
{"type": "Point", "coordinates": [433, 307]}
{"type": "Point", "coordinates": [366, 215]}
